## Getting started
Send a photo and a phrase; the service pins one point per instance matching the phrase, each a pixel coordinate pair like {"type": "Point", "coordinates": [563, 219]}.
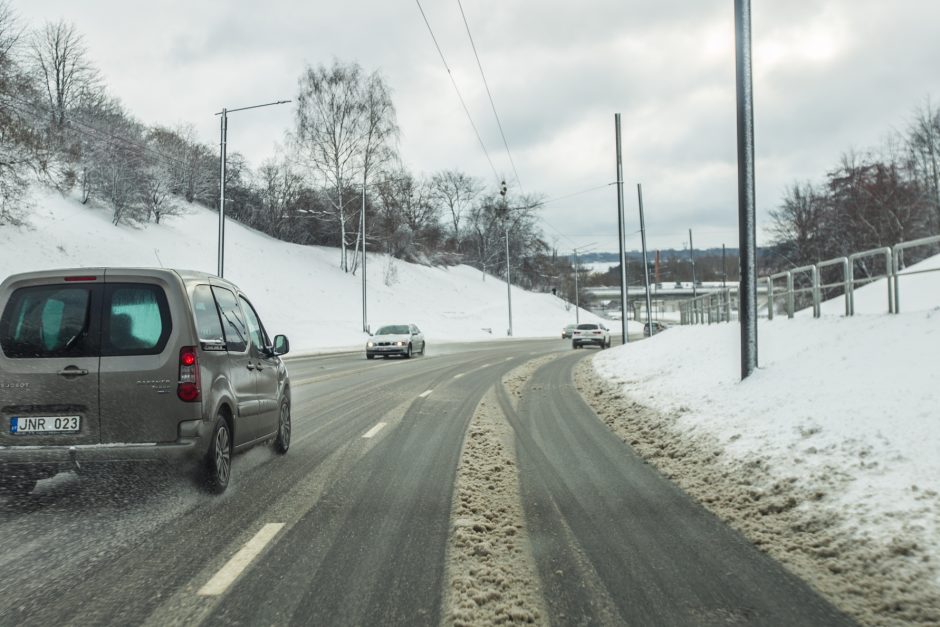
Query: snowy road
{"type": "Point", "coordinates": [352, 526]}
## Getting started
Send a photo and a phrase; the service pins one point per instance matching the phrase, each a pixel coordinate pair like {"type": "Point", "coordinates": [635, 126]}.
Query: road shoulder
{"type": "Point", "coordinates": [875, 586]}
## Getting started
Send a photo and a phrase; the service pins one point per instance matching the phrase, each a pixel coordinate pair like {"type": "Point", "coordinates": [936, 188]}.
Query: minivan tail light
{"type": "Point", "coordinates": [70, 279]}
{"type": "Point", "coordinates": [188, 388]}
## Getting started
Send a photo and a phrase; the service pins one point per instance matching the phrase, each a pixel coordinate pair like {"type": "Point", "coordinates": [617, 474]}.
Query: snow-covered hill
{"type": "Point", "coordinates": [298, 290]}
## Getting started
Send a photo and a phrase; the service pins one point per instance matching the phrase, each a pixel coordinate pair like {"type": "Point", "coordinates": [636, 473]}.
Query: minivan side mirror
{"type": "Point", "coordinates": [281, 345]}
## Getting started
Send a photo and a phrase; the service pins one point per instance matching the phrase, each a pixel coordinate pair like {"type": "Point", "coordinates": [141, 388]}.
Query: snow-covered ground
{"type": "Point", "coordinates": [298, 290]}
{"type": "Point", "coordinates": [847, 409]}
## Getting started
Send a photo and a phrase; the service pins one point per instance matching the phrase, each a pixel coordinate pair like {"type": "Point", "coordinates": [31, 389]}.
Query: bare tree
{"type": "Point", "coordinates": [63, 68]}
{"type": "Point", "coordinates": [455, 192]}
{"type": "Point", "coordinates": [797, 224]}
{"type": "Point", "coordinates": [345, 123]}
{"type": "Point", "coordinates": [328, 131]}
{"type": "Point", "coordinates": [19, 143]}
{"type": "Point", "coordinates": [380, 129]}
{"type": "Point", "coordinates": [924, 140]}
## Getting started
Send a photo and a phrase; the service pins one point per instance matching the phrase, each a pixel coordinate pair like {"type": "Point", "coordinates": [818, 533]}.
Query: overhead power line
{"type": "Point", "coordinates": [457, 89]}
{"type": "Point", "coordinates": [489, 94]}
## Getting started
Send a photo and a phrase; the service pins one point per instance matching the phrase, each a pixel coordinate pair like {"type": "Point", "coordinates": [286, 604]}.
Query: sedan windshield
{"type": "Point", "coordinates": [395, 329]}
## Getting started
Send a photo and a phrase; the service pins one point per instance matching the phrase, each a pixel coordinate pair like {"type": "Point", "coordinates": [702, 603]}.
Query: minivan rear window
{"type": "Point", "coordinates": [48, 321]}
{"type": "Point", "coordinates": [136, 320]}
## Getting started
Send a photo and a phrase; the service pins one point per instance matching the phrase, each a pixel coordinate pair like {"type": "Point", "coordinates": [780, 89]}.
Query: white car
{"type": "Point", "coordinates": [590, 333]}
{"type": "Point", "coordinates": [396, 339]}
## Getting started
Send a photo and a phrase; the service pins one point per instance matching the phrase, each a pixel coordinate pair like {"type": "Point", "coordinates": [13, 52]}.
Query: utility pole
{"type": "Point", "coordinates": [222, 159]}
{"type": "Point", "coordinates": [222, 151]}
{"type": "Point", "coordinates": [646, 266]}
{"type": "Point", "coordinates": [692, 260]}
{"type": "Point", "coordinates": [502, 192]}
{"type": "Point", "coordinates": [577, 299]}
{"type": "Point", "coordinates": [747, 222]}
{"type": "Point", "coordinates": [620, 234]}
{"type": "Point", "coordinates": [362, 219]}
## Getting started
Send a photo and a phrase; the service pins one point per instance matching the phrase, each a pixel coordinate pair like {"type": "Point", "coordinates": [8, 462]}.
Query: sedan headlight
{"type": "Point", "coordinates": [399, 343]}
{"type": "Point", "coordinates": [369, 344]}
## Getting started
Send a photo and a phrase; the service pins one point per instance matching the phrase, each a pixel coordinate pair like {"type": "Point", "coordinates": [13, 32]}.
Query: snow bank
{"type": "Point", "coordinates": [845, 409]}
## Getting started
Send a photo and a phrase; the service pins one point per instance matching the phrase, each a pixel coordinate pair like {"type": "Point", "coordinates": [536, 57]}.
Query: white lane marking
{"type": "Point", "coordinates": [371, 432]}
{"type": "Point", "coordinates": [234, 567]}
{"type": "Point", "coordinates": [425, 394]}
{"type": "Point", "coordinates": [457, 376]}
{"type": "Point", "coordinates": [508, 359]}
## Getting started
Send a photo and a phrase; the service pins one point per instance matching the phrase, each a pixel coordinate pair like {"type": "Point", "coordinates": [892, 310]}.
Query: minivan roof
{"type": "Point", "coordinates": [117, 271]}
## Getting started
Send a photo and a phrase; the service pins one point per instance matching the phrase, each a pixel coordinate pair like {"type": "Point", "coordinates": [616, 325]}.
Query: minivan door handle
{"type": "Point", "coordinates": [250, 366]}
{"type": "Point", "coordinates": [72, 371]}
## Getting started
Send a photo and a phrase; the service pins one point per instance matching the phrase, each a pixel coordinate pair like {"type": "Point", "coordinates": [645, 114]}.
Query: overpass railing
{"type": "Point", "coordinates": [803, 287]}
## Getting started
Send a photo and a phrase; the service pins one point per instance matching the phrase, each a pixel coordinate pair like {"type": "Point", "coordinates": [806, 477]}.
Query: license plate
{"type": "Point", "coordinates": [44, 424]}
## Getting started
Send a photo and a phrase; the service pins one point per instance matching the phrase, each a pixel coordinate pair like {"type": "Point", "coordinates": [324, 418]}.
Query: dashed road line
{"type": "Point", "coordinates": [425, 394]}
{"type": "Point", "coordinates": [371, 432]}
{"type": "Point", "coordinates": [240, 561]}
{"type": "Point", "coordinates": [457, 376]}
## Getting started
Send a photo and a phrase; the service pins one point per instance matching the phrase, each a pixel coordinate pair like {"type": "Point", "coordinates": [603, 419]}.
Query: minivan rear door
{"type": "Point", "coordinates": [140, 347]}
{"type": "Point", "coordinates": [49, 360]}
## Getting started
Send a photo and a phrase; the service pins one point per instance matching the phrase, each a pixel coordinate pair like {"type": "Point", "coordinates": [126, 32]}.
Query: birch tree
{"type": "Point", "coordinates": [345, 122]}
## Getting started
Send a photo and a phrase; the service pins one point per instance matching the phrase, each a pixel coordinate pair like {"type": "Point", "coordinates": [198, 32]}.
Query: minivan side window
{"type": "Point", "coordinates": [49, 321]}
{"type": "Point", "coordinates": [136, 320]}
{"type": "Point", "coordinates": [233, 321]}
{"type": "Point", "coordinates": [208, 324]}
{"type": "Point", "coordinates": [258, 337]}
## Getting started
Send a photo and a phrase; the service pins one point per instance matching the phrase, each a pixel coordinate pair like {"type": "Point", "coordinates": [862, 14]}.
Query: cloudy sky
{"type": "Point", "coordinates": [829, 76]}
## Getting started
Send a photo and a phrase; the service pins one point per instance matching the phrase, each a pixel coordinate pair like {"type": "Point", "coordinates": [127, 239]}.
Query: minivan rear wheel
{"type": "Point", "coordinates": [282, 440]}
{"type": "Point", "coordinates": [219, 457]}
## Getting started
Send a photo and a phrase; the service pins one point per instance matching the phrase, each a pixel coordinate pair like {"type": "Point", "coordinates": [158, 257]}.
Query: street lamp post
{"type": "Point", "coordinates": [222, 160]}
{"type": "Point", "coordinates": [502, 192]}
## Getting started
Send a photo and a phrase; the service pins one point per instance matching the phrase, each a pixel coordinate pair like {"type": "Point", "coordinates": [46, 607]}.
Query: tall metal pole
{"type": "Point", "coordinates": [692, 260]}
{"type": "Point", "coordinates": [577, 298]}
{"type": "Point", "coordinates": [365, 317]}
{"type": "Point", "coordinates": [646, 265]}
{"type": "Point", "coordinates": [620, 235]}
{"type": "Point", "coordinates": [747, 223]}
{"type": "Point", "coordinates": [222, 160]}
{"type": "Point", "coordinates": [222, 152]}
{"type": "Point", "coordinates": [508, 281]}
{"type": "Point", "coordinates": [502, 191]}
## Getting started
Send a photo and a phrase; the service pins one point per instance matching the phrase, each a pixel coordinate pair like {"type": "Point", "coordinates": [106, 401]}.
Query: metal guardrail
{"type": "Point", "coordinates": [718, 306]}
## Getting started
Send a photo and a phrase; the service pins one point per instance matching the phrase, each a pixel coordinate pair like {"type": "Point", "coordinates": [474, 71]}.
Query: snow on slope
{"type": "Point", "coordinates": [298, 290]}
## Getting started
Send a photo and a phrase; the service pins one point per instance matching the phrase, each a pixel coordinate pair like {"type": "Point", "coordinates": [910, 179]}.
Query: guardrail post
{"type": "Point", "coordinates": [816, 297]}
{"type": "Point", "coordinates": [896, 266]}
{"type": "Point", "coordinates": [770, 298]}
{"type": "Point", "coordinates": [850, 282]}
{"type": "Point", "coordinates": [889, 270]}
{"type": "Point", "coordinates": [789, 294]}
{"type": "Point", "coordinates": [846, 289]}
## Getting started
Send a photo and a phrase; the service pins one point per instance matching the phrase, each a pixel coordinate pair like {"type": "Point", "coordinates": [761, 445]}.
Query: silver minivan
{"type": "Point", "coordinates": [106, 365]}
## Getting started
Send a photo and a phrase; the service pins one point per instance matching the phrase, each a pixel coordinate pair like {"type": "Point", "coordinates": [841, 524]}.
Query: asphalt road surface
{"type": "Point", "coordinates": [351, 526]}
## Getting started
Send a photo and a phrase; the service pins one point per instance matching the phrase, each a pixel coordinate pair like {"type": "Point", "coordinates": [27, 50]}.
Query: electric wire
{"type": "Point", "coordinates": [457, 89]}
{"type": "Point", "coordinates": [489, 94]}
